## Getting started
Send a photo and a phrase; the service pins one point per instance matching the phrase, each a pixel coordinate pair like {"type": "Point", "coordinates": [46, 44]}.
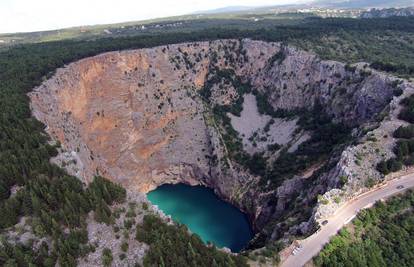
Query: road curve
{"type": "Point", "coordinates": [314, 243]}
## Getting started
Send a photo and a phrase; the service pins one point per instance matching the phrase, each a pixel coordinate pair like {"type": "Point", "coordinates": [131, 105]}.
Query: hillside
{"type": "Point", "coordinates": [129, 116]}
{"type": "Point", "coordinates": [381, 235]}
{"type": "Point", "coordinates": [273, 120]}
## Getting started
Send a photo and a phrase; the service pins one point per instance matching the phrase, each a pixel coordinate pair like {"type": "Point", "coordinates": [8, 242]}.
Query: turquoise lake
{"type": "Point", "coordinates": [199, 208]}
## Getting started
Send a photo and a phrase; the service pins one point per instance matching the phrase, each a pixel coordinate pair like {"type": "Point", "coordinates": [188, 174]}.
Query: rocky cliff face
{"type": "Point", "coordinates": [137, 117]}
{"type": "Point", "coordinates": [357, 163]}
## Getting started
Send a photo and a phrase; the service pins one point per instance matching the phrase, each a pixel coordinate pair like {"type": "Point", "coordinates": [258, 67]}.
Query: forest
{"type": "Point", "coordinates": [171, 245]}
{"type": "Point", "coordinates": [54, 204]}
{"type": "Point", "coordinates": [32, 187]}
{"type": "Point", "coordinates": [379, 236]}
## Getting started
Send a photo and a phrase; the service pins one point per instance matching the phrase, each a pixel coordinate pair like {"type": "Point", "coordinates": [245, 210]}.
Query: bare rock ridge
{"type": "Point", "coordinates": [137, 116]}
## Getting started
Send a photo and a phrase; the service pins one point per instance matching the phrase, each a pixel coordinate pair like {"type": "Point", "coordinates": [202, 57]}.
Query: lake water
{"type": "Point", "coordinates": [205, 214]}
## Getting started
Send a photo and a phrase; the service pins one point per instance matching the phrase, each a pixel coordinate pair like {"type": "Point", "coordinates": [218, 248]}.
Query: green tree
{"type": "Point", "coordinates": [107, 257]}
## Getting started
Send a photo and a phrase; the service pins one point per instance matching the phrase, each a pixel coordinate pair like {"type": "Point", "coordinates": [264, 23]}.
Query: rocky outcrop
{"type": "Point", "coordinates": [112, 236]}
{"type": "Point", "coordinates": [137, 117]}
{"type": "Point", "coordinates": [299, 79]}
{"type": "Point", "coordinates": [356, 169]}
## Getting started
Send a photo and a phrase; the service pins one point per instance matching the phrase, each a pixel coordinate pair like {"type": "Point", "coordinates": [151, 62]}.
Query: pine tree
{"type": "Point", "coordinates": [4, 191]}
{"type": "Point", "coordinates": [107, 257]}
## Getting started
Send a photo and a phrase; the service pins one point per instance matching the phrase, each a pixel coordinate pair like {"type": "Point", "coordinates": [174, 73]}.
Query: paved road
{"type": "Point", "coordinates": [314, 243]}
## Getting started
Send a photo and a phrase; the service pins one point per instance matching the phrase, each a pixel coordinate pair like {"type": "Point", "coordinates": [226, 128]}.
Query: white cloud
{"type": "Point", "coordinates": [30, 15]}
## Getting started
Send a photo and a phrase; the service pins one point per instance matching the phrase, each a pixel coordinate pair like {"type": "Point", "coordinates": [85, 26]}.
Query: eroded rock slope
{"type": "Point", "coordinates": [147, 117]}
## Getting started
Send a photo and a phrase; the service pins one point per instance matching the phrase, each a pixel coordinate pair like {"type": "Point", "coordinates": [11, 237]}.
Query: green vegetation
{"type": "Point", "coordinates": [404, 148]}
{"type": "Point", "coordinates": [226, 76]}
{"type": "Point", "coordinates": [325, 134]}
{"type": "Point", "coordinates": [388, 166]}
{"type": "Point", "coordinates": [343, 39]}
{"type": "Point", "coordinates": [325, 137]}
{"type": "Point", "coordinates": [107, 257]}
{"type": "Point", "coordinates": [277, 58]}
{"type": "Point", "coordinates": [256, 163]}
{"type": "Point", "coordinates": [172, 245]}
{"type": "Point", "coordinates": [56, 203]}
{"type": "Point", "coordinates": [380, 236]}
{"type": "Point", "coordinates": [264, 107]}
{"type": "Point", "coordinates": [269, 252]}
{"type": "Point", "coordinates": [392, 51]}
{"type": "Point", "coordinates": [343, 179]}
{"type": "Point", "coordinates": [407, 114]}
{"type": "Point", "coordinates": [53, 201]}
{"type": "Point", "coordinates": [405, 132]}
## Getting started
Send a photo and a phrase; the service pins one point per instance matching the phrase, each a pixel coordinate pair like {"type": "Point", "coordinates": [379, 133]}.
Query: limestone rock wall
{"type": "Point", "coordinates": [358, 163]}
{"type": "Point", "coordinates": [136, 116]}
{"type": "Point", "coordinates": [353, 95]}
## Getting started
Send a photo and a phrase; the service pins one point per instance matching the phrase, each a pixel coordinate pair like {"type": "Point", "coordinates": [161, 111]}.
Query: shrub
{"type": "Point", "coordinates": [107, 257]}
{"type": "Point", "coordinates": [406, 132]}
{"type": "Point", "coordinates": [409, 161]}
{"type": "Point", "coordinates": [124, 246]}
{"type": "Point", "coordinates": [407, 113]}
{"type": "Point", "coordinates": [395, 165]}
{"type": "Point", "coordinates": [382, 167]}
{"type": "Point", "coordinates": [401, 149]}
{"type": "Point", "coordinates": [186, 250]}
{"type": "Point", "coordinates": [369, 182]}
{"type": "Point", "coordinates": [343, 179]}
{"type": "Point", "coordinates": [322, 200]}
{"type": "Point", "coordinates": [273, 147]}
{"type": "Point", "coordinates": [397, 92]}
{"type": "Point", "coordinates": [278, 58]}
{"type": "Point", "coordinates": [391, 165]}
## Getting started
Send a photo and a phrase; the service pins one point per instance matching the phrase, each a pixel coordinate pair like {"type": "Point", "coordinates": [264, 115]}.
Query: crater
{"type": "Point", "coordinates": [224, 114]}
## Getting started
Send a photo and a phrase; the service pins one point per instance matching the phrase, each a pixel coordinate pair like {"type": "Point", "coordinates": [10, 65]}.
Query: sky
{"type": "Point", "coordinates": [40, 15]}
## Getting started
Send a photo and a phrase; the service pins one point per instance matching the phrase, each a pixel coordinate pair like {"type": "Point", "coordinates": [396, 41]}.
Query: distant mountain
{"type": "Point", "coordinates": [228, 9]}
{"type": "Point", "coordinates": [236, 9]}
{"type": "Point", "coordinates": [363, 3]}
{"type": "Point", "coordinates": [339, 4]}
